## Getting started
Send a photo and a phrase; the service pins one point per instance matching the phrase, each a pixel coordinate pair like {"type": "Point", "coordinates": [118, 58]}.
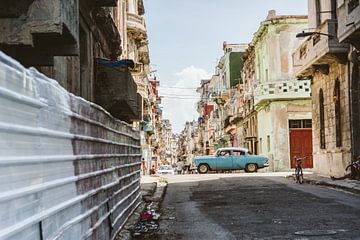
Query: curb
{"type": "Point", "coordinates": [333, 185]}
{"type": "Point", "coordinates": [329, 183]}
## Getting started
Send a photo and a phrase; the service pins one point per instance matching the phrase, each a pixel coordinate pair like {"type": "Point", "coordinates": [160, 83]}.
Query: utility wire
{"type": "Point", "coordinates": [178, 87]}
{"type": "Point", "coordinates": [173, 97]}
{"type": "Point", "coordinates": [179, 95]}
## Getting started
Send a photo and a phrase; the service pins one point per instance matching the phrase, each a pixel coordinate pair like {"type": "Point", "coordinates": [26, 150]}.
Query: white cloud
{"type": "Point", "coordinates": [175, 107]}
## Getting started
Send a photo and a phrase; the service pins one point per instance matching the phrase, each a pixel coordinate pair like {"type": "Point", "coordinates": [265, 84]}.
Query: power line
{"type": "Point", "coordinates": [179, 97]}
{"type": "Point", "coordinates": [178, 87]}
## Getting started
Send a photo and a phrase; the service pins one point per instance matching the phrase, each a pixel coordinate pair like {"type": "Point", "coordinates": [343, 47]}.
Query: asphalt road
{"type": "Point", "coordinates": [256, 207]}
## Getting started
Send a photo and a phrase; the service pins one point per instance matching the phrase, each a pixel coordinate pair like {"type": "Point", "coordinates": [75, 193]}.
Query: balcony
{"type": "Point", "coordinates": [31, 28]}
{"type": "Point", "coordinates": [104, 3]}
{"type": "Point", "coordinates": [349, 21]}
{"type": "Point", "coordinates": [225, 95]}
{"type": "Point", "coordinates": [238, 117]}
{"type": "Point", "coordinates": [284, 90]}
{"type": "Point", "coordinates": [144, 54]}
{"type": "Point", "coordinates": [116, 91]}
{"type": "Point", "coordinates": [142, 90]}
{"type": "Point", "coordinates": [147, 127]}
{"type": "Point", "coordinates": [136, 26]}
{"type": "Point", "coordinates": [317, 51]}
{"type": "Point", "coordinates": [137, 69]}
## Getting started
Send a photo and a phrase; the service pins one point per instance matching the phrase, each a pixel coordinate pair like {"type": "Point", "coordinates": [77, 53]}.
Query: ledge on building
{"type": "Point", "coordinates": [116, 91]}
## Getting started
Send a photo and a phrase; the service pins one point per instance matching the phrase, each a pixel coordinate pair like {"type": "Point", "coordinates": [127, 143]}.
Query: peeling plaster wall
{"type": "Point", "coordinates": [274, 44]}
{"type": "Point", "coordinates": [68, 169]}
{"type": "Point", "coordinates": [273, 121]}
{"type": "Point", "coordinates": [332, 160]}
{"type": "Point", "coordinates": [275, 48]}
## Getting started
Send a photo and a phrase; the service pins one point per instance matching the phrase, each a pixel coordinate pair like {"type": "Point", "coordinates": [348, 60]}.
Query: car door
{"type": "Point", "coordinates": [239, 159]}
{"type": "Point", "coordinates": [225, 160]}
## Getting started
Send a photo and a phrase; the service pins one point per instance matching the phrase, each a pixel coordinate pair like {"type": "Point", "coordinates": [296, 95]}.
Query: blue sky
{"type": "Point", "coordinates": [185, 40]}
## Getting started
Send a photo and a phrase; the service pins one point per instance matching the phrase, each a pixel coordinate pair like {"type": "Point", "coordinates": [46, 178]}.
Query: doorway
{"type": "Point", "coordinates": [301, 142]}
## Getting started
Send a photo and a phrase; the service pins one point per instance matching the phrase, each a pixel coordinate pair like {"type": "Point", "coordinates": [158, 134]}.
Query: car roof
{"type": "Point", "coordinates": [234, 148]}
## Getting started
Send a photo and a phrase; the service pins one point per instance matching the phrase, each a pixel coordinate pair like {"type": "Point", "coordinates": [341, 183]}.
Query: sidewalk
{"type": "Point", "coordinates": [152, 191]}
{"type": "Point", "coordinates": [347, 185]}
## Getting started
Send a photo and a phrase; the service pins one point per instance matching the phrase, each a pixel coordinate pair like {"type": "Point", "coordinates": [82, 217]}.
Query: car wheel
{"type": "Point", "coordinates": [203, 168]}
{"type": "Point", "coordinates": [251, 167]}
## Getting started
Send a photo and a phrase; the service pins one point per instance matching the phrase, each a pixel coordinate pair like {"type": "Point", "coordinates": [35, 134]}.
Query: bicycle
{"type": "Point", "coordinates": [299, 177]}
{"type": "Point", "coordinates": [354, 170]}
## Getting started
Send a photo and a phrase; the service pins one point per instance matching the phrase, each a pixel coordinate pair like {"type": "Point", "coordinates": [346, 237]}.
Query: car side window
{"type": "Point", "coordinates": [238, 153]}
{"type": "Point", "coordinates": [225, 153]}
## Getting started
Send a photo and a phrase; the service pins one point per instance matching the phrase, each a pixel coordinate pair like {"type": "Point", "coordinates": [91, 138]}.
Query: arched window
{"type": "Point", "coordinates": [322, 119]}
{"type": "Point", "coordinates": [336, 99]}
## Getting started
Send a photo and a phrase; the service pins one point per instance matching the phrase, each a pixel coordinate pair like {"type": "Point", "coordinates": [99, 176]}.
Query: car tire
{"type": "Point", "coordinates": [203, 168]}
{"type": "Point", "coordinates": [251, 168]}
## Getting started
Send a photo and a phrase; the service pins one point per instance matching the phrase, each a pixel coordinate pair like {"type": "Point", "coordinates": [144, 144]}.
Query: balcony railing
{"type": "Point", "coordinates": [319, 49]}
{"type": "Point", "coordinates": [148, 127]}
{"type": "Point", "coordinates": [348, 19]}
{"type": "Point", "coordinates": [136, 23]}
{"type": "Point", "coordinates": [284, 90]}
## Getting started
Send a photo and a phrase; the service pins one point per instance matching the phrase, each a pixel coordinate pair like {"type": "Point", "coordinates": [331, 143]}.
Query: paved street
{"type": "Point", "coordinates": [255, 206]}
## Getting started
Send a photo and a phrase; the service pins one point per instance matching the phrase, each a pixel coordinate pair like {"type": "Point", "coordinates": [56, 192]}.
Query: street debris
{"type": "Point", "coordinates": [148, 224]}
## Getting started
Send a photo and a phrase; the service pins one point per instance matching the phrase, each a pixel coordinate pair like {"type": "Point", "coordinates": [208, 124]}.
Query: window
{"type": "Point", "coordinates": [294, 123]}
{"type": "Point", "coordinates": [238, 152]}
{"type": "Point", "coordinates": [318, 14]}
{"type": "Point", "coordinates": [322, 119]}
{"type": "Point", "coordinates": [84, 64]}
{"type": "Point", "coordinates": [307, 123]}
{"type": "Point", "coordinates": [333, 9]}
{"type": "Point", "coordinates": [336, 99]}
{"type": "Point", "coordinates": [225, 153]}
{"type": "Point", "coordinates": [267, 75]}
{"type": "Point", "coordinates": [302, 123]}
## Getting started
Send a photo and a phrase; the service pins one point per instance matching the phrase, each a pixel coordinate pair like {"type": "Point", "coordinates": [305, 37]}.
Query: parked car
{"type": "Point", "coordinates": [231, 159]}
{"type": "Point", "coordinates": [165, 169]}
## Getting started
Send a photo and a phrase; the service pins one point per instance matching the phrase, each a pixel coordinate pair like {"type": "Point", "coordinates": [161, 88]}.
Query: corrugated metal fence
{"type": "Point", "coordinates": [68, 170]}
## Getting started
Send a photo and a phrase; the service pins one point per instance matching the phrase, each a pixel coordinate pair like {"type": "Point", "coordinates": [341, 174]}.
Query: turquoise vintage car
{"type": "Point", "coordinates": [231, 159]}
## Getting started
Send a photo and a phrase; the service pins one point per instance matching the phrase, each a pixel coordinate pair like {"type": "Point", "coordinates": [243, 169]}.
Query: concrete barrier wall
{"type": "Point", "coordinates": [68, 169]}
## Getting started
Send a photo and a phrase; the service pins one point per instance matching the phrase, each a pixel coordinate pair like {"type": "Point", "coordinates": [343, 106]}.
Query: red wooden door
{"type": "Point", "coordinates": [301, 146]}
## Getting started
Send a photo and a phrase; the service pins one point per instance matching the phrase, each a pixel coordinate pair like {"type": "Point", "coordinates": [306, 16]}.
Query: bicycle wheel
{"type": "Point", "coordinates": [296, 175]}
{"type": "Point", "coordinates": [300, 176]}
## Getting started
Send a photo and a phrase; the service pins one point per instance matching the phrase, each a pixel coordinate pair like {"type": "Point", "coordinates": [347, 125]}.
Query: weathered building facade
{"type": "Point", "coordinates": [330, 56]}
{"type": "Point", "coordinates": [265, 108]}
{"type": "Point", "coordinates": [229, 70]}
{"type": "Point", "coordinates": [282, 103]}
{"type": "Point", "coordinates": [65, 40]}
{"type": "Point", "coordinates": [247, 115]}
{"type": "Point", "coordinates": [348, 30]}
